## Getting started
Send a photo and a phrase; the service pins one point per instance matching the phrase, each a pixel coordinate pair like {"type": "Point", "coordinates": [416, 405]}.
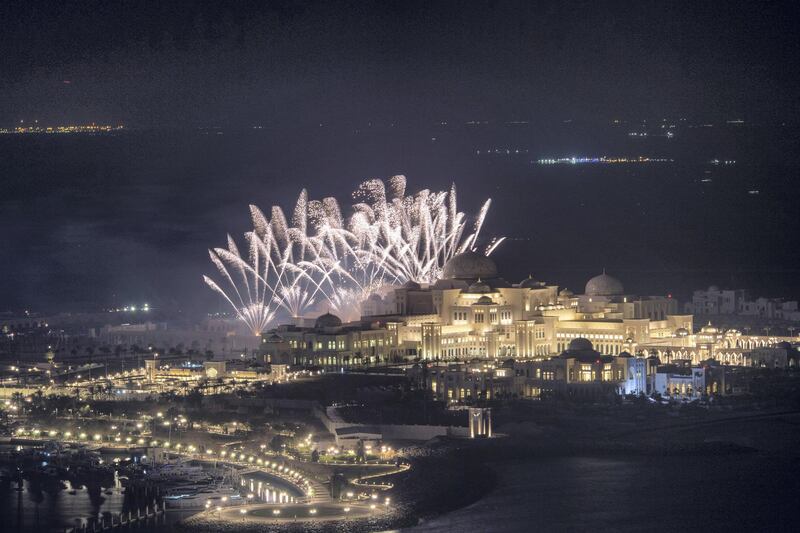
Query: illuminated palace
{"type": "Point", "coordinates": [472, 312]}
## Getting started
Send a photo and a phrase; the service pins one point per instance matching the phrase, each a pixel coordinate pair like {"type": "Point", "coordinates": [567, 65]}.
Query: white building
{"type": "Point", "coordinates": [681, 383]}
{"type": "Point", "coordinates": [716, 301]}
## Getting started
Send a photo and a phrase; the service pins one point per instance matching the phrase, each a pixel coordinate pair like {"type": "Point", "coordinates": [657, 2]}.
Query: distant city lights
{"type": "Point", "coordinates": [34, 128]}
{"type": "Point", "coordinates": [131, 308]}
{"type": "Point", "coordinates": [602, 160]}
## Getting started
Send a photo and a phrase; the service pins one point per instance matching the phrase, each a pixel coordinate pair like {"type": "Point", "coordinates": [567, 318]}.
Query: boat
{"type": "Point", "coordinates": [178, 471]}
{"type": "Point", "coordinates": [216, 497]}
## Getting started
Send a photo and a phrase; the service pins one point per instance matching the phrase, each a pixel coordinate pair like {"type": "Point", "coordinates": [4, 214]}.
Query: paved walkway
{"type": "Point", "coordinates": [281, 514]}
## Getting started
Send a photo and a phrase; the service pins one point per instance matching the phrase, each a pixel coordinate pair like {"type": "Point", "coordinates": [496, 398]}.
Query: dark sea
{"type": "Point", "coordinates": [659, 494]}
{"type": "Point", "coordinates": [115, 219]}
{"type": "Point", "coordinates": [656, 494]}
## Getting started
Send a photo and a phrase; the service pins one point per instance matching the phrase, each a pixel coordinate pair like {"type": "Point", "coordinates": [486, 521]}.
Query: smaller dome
{"type": "Point", "coordinates": [530, 283]}
{"type": "Point", "coordinates": [709, 329]}
{"type": "Point", "coordinates": [375, 297]}
{"type": "Point", "coordinates": [580, 345]}
{"type": "Point", "coordinates": [479, 287]}
{"type": "Point", "coordinates": [328, 320]}
{"type": "Point", "coordinates": [566, 293]}
{"type": "Point", "coordinates": [628, 340]}
{"type": "Point", "coordinates": [484, 300]}
{"type": "Point", "coordinates": [681, 332]}
{"type": "Point", "coordinates": [604, 285]}
{"type": "Point", "coordinates": [733, 332]}
{"type": "Point", "coordinates": [275, 338]}
{"type": "Point", "coordinates": [412, 285]}
{"type": "Point", "coordinates": [713, 288]}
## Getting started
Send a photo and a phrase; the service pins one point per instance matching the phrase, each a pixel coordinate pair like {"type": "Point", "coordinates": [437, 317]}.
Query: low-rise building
{"type": "Point", "coordinates": [332, 344]}
{"type": "Point", "coordinates": [580, 371]}
{"type": "Point", "coordinates": [716, 301]}
{"type": "Point", "coordinates": [680, 382]}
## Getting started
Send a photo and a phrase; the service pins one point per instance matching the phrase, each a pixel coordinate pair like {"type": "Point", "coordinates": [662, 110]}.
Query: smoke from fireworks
{"type": "Point", "coordinates": [323, 257]}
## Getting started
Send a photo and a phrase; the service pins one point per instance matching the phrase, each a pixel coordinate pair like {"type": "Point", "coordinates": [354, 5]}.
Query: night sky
{"type": "Point", "coordinates": [155, 63]}
{"type": "Point", "coordinates": [349, 91]}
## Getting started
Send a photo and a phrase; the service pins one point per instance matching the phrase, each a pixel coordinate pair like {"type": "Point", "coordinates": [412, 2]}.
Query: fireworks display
{"type": "Point", "coordinates": [320, 257]}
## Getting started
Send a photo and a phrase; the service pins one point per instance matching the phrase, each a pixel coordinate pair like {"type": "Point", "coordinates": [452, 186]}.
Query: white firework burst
{"type": "Point", "coordinates": [322, 257]}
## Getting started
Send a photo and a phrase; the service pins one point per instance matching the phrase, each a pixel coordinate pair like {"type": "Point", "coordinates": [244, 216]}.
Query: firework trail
{"type": "Point", "coordinates": [251, 297]}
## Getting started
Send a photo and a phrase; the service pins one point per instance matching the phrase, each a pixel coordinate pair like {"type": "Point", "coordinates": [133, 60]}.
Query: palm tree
{"type": "Point", "coordinates": [16, 399]}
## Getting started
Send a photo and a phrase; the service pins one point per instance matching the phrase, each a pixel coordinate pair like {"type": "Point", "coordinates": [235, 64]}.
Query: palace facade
{"type": "Point", "coordinates": [473, 313]}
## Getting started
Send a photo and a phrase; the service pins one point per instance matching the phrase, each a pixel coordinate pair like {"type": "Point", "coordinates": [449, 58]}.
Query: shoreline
{"type": "Point", "coordinates": [449, 474]}
{"type": "Point", "coordinates": [440, 481]}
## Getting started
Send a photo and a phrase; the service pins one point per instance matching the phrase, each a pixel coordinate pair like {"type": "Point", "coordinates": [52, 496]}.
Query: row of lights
{"type": "Point", "coordinates": [281, 470]}
{"type": "Point", "coordinates": [284, 471]}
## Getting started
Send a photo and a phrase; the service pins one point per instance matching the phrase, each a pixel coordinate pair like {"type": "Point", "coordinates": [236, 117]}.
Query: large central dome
{"type": "Point", "coordinates": [604, 285]}
{"type": "Point", "coordinates": [469, 265]}
{"type": "Point", "coordinates": [328, 320]}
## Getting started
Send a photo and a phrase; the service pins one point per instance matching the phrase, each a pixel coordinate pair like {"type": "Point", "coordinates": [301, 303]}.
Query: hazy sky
{"type": "Point", "coordinates": [146, 63]}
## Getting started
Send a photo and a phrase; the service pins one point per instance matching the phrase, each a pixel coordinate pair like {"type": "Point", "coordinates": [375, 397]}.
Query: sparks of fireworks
{"type": "Point", "coordinates": [412, 237]}
{"type": "Point", "coordinates": [323, 257]}
{"type": "Point", "coordinates": [251, 296]}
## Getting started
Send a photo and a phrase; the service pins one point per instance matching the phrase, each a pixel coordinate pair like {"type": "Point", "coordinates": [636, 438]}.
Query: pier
{"type": "Point", "coordinates": [107, 523]}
